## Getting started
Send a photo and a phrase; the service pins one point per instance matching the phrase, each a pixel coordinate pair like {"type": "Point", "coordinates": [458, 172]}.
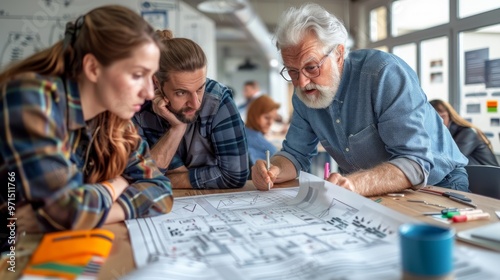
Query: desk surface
{"type": "Point", "coordinates": [120, 262]}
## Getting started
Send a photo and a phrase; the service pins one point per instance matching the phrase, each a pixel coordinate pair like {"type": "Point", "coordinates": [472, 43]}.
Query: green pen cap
{"type": "Point", "coordinates": [451, 214]}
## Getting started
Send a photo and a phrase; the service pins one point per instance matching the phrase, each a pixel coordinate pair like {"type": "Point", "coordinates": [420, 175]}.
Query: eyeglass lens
{"type": "Point", "coordinates": [310, 71]}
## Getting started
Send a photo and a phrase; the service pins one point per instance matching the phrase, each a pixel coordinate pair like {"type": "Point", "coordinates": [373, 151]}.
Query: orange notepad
{"type": "Point", "coordinates": [68, 254]}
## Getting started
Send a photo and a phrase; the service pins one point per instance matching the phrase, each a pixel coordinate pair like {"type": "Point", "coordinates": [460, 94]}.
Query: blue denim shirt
{"type": "Point", "coordinates": [379, 114]}
{"type": "Point", "coordinates": [257, 145]}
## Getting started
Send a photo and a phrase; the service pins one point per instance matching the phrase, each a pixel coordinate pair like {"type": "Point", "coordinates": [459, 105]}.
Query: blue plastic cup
{"type": "Point", "coordinates": [426, 251]}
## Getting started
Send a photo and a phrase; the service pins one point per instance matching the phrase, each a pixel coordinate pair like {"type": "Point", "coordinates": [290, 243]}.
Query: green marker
{"type": "Point", "coordinates": [450, 215]}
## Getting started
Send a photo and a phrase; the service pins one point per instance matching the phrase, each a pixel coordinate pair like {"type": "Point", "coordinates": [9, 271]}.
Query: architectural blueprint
{"type": "Point", "coordinates": [315, 231]}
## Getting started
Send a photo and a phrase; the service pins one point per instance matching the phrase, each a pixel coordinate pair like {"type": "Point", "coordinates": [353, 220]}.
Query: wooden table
{"type": "Point", "coordinates": [120, 261]}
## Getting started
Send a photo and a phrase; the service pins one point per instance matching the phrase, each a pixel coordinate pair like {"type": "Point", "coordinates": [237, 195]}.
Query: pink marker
{"type": "Point", "coordinates": [327, 170]}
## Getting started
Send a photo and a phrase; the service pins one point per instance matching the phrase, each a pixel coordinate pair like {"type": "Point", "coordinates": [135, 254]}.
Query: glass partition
{"type": "Point", "coordinates": [434, 70]}
{"type": "Point", "coordinates": [412, 15]}
{"type": "Point", "coordinates": [378, 24]}
{"type": "Point", "coordinates": [473, 7]}
{"type": "Point", "coordinates": [480, 80]}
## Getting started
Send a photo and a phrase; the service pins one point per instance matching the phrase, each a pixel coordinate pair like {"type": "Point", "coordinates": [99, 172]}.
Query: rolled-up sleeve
{"type": "Point", "coordinates": [407, 141]}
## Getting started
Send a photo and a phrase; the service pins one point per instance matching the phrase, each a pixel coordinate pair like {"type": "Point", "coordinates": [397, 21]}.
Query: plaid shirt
{"type": "Point", "coordinates": [214, 147]}
{"type": "Point", "coordinates": [43, 142]}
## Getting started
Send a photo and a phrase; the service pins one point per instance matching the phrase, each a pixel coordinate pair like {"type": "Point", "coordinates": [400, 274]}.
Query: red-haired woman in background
{"type": "Point", "coordinates": [261, 114]}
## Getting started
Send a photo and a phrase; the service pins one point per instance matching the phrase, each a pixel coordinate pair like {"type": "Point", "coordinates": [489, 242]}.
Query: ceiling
{"type": "Point", "coordinates": [249, 31]}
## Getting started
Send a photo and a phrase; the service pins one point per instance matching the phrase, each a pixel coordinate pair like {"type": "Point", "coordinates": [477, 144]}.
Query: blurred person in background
{"type": "Point", "coordinates": [251, 91]}
{"type": "Point", "coordinates": [261, 115]}
{"type": "Point", "coordinates": [469, 138]}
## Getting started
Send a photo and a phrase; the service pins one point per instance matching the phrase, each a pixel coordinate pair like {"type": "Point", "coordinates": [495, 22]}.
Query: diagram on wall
{"type": "Point", "coordinates": [19, 45]}
{"type": "Point", "coordinates": [481, 89]}
{"type": "Point", "coordinates": [474, 65]}
{"type": "Point", "coordinates": [436, 71]}
{"type": "Point", "coordinates": [29, 26]}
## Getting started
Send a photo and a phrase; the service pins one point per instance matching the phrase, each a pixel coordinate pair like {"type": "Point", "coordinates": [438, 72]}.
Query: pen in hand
{"type": "Point", "coordinates": [327, 170]}
{"type": "Point", "coordinates": [268, 166]}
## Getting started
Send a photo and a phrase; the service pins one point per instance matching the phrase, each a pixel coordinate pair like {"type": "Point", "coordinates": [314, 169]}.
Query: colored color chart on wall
{"type": "Point", "coordinates": [492, 106]}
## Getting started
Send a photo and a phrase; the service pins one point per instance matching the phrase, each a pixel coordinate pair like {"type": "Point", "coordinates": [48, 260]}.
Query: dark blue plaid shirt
{"type": "Point", "coordinates": [214, 148]}
{"type": "Point", "coordinates": [43, 140]}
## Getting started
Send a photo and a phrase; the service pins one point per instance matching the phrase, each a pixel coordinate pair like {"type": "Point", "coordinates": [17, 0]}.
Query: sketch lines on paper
{"type": "Point", "coordinates": [281, 234]}
{"type": "Point", "coordinates": [251, 199]}
{"type": "Point", "coordinates": [255, 229]}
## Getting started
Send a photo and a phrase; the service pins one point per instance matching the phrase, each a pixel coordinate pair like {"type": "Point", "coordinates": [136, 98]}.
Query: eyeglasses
{"type": "Point", "coordinates": [310, 71]}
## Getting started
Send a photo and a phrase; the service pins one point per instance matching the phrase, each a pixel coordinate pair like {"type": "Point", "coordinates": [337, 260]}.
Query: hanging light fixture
{"type": "Point", "coordinates": [220, 6]}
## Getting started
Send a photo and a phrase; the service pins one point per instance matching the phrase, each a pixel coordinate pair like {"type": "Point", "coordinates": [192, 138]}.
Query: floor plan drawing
{"type": "Point", "coordinates": [315, 231]}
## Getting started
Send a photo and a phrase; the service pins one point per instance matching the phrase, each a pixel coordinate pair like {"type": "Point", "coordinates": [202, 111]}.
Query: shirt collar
{"type": "Point", "coordinates": [340, 95]}
{"type": "Point", "coordinates": [75, 112]}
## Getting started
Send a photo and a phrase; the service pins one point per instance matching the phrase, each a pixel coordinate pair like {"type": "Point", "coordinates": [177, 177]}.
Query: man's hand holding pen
{"type": "Point", "coordinates": [262, 176]}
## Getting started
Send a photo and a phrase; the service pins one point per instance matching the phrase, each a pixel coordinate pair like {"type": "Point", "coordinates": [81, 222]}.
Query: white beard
{"type": "Point", "coordinates": [326, 94]}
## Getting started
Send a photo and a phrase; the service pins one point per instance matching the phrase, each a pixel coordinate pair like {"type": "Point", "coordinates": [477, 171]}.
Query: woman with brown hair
{"type": "Point", "coordinates": [470, 139]}
{"type": "Point", "coordinates": [69, 151]}
{"type": "Point", "coordinates": [260, 117]}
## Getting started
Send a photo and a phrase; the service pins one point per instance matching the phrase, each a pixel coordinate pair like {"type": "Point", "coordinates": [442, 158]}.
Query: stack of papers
{"type": "Point", "coordinates": [316, 231]}
{"type": "Point", "coordinates": [487, 236]}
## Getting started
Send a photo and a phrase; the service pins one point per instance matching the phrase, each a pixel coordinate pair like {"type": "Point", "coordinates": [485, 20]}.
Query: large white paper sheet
{"type": "Point", "coordinates": [315, 231]}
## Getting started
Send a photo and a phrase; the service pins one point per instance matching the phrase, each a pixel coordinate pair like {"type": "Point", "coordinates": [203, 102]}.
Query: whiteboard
{"type": "Point", "coordinates": [29, 26]}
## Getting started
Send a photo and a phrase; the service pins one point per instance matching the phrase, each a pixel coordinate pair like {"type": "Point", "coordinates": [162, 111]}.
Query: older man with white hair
{"type": "Point", "coordinates": [365, 107]}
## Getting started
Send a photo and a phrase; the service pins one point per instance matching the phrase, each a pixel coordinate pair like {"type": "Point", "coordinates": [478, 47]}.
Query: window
{"type": "Point", "coordinates": [472, 7]}
{"type": "Point", "coordinates": [412, 15]}
{"type": "Point", "coordinates": [408, 53]}
{"type": "Point", "coordinates": [453, 45]}
{"type": "Point", "coordinates": [378, 24]}
{"type": "Point", "coordinates": [434, 68]}
{"type": "Point", "coordinates": [382, 48]}
{"type": "Point", "coordinates": [480, 80]}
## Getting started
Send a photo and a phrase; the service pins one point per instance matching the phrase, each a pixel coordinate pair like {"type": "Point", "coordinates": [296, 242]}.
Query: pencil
{"type": "Point", "coordinates": [268, 164]}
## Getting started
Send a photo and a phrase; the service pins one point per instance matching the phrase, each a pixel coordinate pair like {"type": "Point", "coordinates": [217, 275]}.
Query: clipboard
{"type": "Point", "coordinates": [487, 236]}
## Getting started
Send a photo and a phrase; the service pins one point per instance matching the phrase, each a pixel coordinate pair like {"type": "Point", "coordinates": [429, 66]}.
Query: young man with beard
{"type": "Point", "coordinates": [192, 125]}
{"type": "Point", "coordinates": [367, 110]}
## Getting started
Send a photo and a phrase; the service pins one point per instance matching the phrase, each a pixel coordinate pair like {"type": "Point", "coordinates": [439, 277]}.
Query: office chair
{"type": "Point", "coordinates": [484, 180]}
